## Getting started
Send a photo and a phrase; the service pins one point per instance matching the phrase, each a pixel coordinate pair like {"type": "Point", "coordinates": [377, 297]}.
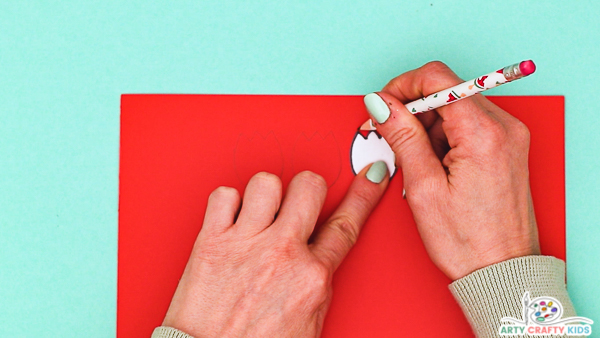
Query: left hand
{"type": "Point", "coordinates": [260, 276]}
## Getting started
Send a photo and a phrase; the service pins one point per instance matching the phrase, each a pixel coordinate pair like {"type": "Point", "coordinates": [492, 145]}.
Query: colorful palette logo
{"type": "Point", "coordinates": [542, 316]}
{"type": "Point", "coordinates": [546, 310]}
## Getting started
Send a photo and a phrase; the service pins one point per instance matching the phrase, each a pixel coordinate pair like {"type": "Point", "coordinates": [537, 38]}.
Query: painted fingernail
{"type": "Point", "coordinates": [378, 109]}
{"type": "Point", "coordinates": [377, 172]}
{"type": "Point", "coordinates": [403, 193]}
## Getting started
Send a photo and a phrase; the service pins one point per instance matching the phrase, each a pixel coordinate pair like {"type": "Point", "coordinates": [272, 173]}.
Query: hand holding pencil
{"type": "Point", "coordinates": [465, 169]}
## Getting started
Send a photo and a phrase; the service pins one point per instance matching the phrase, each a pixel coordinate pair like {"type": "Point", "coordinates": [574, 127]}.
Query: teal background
{"type": "Point", "coordinates": [64, 65]}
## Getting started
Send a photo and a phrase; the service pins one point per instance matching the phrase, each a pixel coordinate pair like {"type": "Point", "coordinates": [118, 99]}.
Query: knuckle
{"type": "Point", "coordinates": [312, 179]}
{"type": "Point", "coordinates": [363, 198]}
{"type": "Point", "coordinates": [283, 251]}
{"type": "Point", "coordinates": [346, 228]}
{"type": "Point", "coordinates": [495, 134]}
{"type": "Point", "coordinates": [319, 275]}
{"type": "Point", "coordinates": [317, 278]}
{"type": "Point", "coordinates": [211, 253]}
{"type": "Point", "coordinates": [401, 136]}
{"type": "Point", "coordinates": [521, 132]}
{"type": "Point", "coordinates": [441, 72]}
{"type": "Point", "coordinates": [438, 67]}
{"type": "Point", "coordinates": [418, 192]}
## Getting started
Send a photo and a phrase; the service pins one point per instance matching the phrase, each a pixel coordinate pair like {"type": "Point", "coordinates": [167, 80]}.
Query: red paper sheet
{"type": "Point", "coordinates": [176, 149]}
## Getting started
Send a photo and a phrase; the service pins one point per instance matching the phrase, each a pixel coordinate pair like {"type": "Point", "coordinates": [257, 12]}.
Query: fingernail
{"type": "Point", "coordinates": [403, 193]}
{"type": "Point", "coordinates": [377, 172]}
{"type": "Point", "coordinates": [378, 109]}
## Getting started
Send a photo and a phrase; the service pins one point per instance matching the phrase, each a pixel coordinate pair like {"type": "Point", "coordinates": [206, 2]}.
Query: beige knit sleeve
{"type": "Point", "coordinates": [489, 294]}
{"type": "Point", "coordinates": [169, 332]}
{"type": "Point", "coordinates": [501, 285]}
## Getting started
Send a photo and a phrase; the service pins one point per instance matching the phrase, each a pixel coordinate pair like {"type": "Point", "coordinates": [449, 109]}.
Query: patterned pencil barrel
{"type": "Point", "coordinates": [472, 87]}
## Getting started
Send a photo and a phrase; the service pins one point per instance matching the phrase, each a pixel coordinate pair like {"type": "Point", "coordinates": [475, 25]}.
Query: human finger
{"type": "Point", "coordinates": [262, 199]}
{"type": "Point", "coordinates": [340, 232]}
{"type": "Point", "coordinates": [461, 117]}
{"type": "Point", "coordinates": [223, 205]}
{"type": "Point", "coordinates": [408, 139]}
{"type": "Point", "coordinates": [302, 205]}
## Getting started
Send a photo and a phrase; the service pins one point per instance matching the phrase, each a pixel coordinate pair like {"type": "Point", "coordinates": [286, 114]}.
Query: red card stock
{"type": "Point", "coordinates": [176, 149]}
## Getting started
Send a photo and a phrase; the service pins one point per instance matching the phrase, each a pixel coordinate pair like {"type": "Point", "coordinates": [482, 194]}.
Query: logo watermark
{"type": "Point", "coordinates": [542, 316]}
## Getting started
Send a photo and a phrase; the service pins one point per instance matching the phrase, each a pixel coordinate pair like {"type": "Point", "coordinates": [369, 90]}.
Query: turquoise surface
{"type": "Point", "coordinates": [63, 66]}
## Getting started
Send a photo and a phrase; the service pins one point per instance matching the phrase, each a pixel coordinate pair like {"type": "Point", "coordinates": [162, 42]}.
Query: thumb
{"type": "Point", "coordinates": [408, 139]}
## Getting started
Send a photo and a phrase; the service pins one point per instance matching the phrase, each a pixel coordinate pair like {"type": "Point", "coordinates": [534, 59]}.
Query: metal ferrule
{"type": "Point", "coordinates": [512, 72]}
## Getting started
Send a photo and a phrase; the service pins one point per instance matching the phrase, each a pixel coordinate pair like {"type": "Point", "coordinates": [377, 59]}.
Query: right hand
{"type": "Point", "coordinates": [465, 173]}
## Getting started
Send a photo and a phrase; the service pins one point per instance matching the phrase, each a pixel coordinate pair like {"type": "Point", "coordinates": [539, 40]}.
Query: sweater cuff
{"type": "Point", "coordinates": [489, 294]}
{"type": "Point", "coordinates": [169, 332]}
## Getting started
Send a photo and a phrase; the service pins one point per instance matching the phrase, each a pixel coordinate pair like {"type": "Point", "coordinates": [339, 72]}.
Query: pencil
{"type": "Point", "coordinates": [472, 87]}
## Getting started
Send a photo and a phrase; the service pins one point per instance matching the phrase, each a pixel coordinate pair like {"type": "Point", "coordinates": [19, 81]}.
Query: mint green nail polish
{"type": "Point", "coordinates": [377, 107]}
{"type": "Point", "coordinates": [377, 172]}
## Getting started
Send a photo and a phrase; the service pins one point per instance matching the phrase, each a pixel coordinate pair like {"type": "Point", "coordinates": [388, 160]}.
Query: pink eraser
{"type": "Point", "coordinates": [527, 67]}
